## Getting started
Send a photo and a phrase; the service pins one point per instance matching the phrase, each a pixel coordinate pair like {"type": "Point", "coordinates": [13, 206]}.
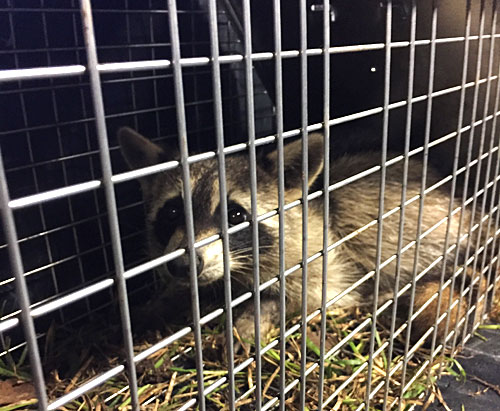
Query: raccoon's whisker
{"type": "Point", "coordinates": [249, 258]}
{"type": "Point", "coordinates": [241, 251]}
{"type": "Point", "coordinates": [241, 258]}
{"type": "Point", "coordinates": [248, 250]}
{"type": "Point", "coordinates": [213, 269]}
{"type": "Point", "coordinates": [238, 279]}
{"type": "Point", "coordinates": [240, 266]}
{"type": "Point", "coordinates": [251, 248]}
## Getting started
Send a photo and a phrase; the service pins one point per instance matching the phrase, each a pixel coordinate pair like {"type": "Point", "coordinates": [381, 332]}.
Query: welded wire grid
{"type": "Point", "coordinates": [35, 75]}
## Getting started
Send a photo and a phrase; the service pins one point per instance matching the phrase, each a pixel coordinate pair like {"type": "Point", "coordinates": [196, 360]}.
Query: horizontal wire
{"type": "Point", "coordinates": [117, 67]}
{"type": "Point", "coordinates": [96, 11]}
{"type": "Point", "coordinates": [41, 72]}
{"type": "Point", "coordinates": [54, 194]}
{"type": "Point", "coordinates": [127, 80]}
{"type": "Point", "coordinates": [95, 382]}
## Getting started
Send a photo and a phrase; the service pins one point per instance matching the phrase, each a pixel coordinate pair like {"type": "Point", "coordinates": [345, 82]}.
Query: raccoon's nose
{"type": "Point", "coordinates": [180, 266]}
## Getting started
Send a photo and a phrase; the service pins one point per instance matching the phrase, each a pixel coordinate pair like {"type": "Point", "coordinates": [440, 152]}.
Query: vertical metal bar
{"type": "Point", "coordinates": [281, 194]}
{"type": "Point", "coordinates": [86, 126]}
{"type": "Point", "coordinates": [305, 191]}
{"type": "Point", "coordinates": [493, 202]}
{"type": "Point", "coordinates": [247, 28]}
{"type": "Point", "coordinates": [478, 176]}
{"type": "Point", "coordinates": [383, 159]}
{"type": "Point", "coordinates": [16, 263]}
{"type": "Point", "coordinates": [456, 157]}
{"type": "Point", "coordinates": [409, 108]}
{"type": "Point", "coordinates": [428, 119]}
{"type": "Point", "coordinates": [121, 286]}
{"type": "Point", "coordinates": [326, 196]}
{"type": "Point", "coordinates": [468, 21]}
{"type": "Point", "coordinates": [467, 174]}
{"type": "Point", "coordinates": [219, 132]}
{"type": "Point", "coordinates": [186, 184]}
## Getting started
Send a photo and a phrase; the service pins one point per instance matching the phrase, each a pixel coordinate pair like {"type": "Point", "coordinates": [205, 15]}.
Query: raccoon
{"type": "Point", "coordinates": [352, 206]}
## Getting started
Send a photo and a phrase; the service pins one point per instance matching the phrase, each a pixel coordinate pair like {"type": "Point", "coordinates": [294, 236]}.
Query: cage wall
{"type": "Point", "coordinates": [213, 81]}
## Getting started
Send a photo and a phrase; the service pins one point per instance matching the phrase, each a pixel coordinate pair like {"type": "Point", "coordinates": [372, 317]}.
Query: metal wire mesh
{"type": "Point", "coordinates": [222, 78]}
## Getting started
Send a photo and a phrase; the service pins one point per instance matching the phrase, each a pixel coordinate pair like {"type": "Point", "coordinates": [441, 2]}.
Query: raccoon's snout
{"type": "Point", "coordinates": [179, 267]}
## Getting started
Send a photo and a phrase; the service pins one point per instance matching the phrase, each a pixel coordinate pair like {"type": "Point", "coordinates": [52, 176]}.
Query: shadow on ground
{"type": "Point", "coordinates": [481, 389]}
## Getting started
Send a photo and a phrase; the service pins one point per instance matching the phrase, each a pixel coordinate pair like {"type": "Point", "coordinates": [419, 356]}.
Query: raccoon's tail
{"type": "Point", "coordinates": [454, 311]}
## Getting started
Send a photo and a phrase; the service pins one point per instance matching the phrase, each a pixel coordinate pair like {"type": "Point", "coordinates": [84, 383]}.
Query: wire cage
{"type": "Point", "coordinates": [397, 98]}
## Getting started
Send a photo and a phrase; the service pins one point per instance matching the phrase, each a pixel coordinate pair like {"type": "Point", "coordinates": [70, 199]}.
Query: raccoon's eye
{"type": "Point", "coordinates": [172, 213]}
{"type": "Point", "coordinates": [168, 218]}
{"type": "Point", "coordinates": [236, 215]}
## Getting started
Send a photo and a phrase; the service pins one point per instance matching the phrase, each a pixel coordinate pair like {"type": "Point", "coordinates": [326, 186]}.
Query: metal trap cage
{"type": "Point", "coordinates": [390, 81]}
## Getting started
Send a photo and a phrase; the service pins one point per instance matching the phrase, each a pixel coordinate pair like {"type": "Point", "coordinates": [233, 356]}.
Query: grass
{"type": "Point", "coordinates": [14, 368]}
{"type": "Point", "coordinates": [167, 379]}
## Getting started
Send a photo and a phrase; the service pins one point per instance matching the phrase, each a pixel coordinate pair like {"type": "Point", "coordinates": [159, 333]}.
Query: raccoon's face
{"type": "Point", "coordinates": [165, 218]}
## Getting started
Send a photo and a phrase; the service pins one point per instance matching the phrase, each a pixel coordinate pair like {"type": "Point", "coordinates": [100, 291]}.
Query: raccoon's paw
{"type": "Point", "coordinates": [245, 328]}
{"type": "Point", "coordinates": [245, 324]}
{"type": "Point", "coordinates": [244, 333]}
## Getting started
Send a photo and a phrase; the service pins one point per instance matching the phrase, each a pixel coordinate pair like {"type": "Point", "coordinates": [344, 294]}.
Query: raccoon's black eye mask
{"type": "Point", "coordinates": [168, 218]}
{"type": "Point", "coordinates": [171, 215]}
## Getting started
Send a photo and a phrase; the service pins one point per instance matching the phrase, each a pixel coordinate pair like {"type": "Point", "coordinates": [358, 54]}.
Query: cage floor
{"type": "Point", "coordinates": [167, 380]}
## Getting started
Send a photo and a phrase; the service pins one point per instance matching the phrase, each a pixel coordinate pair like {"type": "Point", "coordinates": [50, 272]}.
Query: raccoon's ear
{"type": "Point", "coordinates": [139, 151]}
{"type": "Point", "coordinates": [293, 161]}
